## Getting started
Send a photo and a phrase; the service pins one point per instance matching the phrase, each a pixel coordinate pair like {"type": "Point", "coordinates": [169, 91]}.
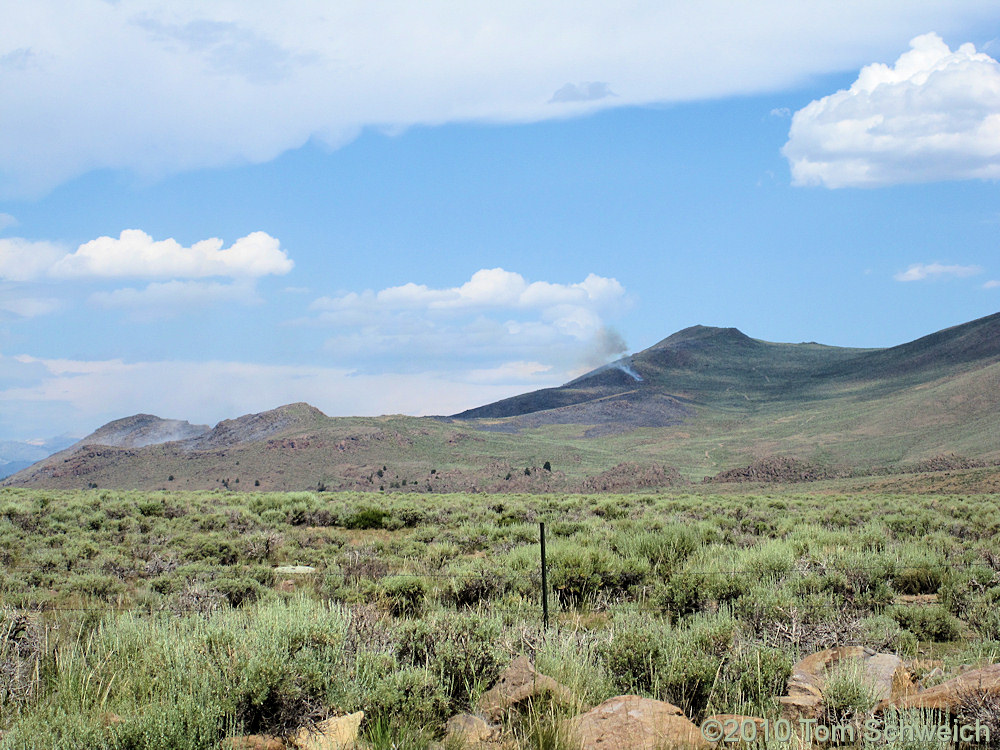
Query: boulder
{"type": "Point", "coordinates": [520, 682]}
{"type": "Point", "coordinates": [886, 673]}
{"type": "Point", "coordinates": [253, 742]}
{"type": "Point", "coordinates": [338, 733]}
{"type": "Point", "coordinates": [948, 695]}
{"type": "Point", "coordinates": [468, 731]}
{"type": "Point", "coordinates": [629, 722]}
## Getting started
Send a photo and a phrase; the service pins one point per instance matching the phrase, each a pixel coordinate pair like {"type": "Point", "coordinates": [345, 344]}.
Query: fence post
{"type": "Point", "coordinates": [545, 577]}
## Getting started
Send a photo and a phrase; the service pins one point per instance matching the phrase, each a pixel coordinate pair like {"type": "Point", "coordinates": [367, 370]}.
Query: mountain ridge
{"type": "Point", "coordinates": [706, 400]}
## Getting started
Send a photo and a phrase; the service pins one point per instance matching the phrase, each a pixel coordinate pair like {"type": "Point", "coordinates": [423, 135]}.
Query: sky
{"type": "Point", "coordinates": [212, 209]}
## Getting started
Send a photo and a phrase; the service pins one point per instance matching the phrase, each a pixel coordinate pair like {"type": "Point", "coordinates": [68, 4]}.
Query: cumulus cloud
{"type": "Point", "coordinates": [924, 271]}
{"type": "Point", "coordinates": [494, 318]}
{"type": "Point", "coordinates": [933, 115]}
{"type": "Point", "coordinates": [159, 88]}
{"type": "Point", "coordinates": [134, 253]}
{"type": "Point", "coordinates": [991, 284]}
{"type": "Point", "coordinates": [491, 288]}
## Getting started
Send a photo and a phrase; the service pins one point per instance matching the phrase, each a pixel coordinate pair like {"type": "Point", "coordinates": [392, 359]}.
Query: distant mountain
{"type": "Point", "coordinates": [143, 429]}
{"type": "Point", "coordinates": [724, 369]}
{"type": "Point", "coordinates": [18, 455]}
{"type": "Point", "coordinates": [703, 402]}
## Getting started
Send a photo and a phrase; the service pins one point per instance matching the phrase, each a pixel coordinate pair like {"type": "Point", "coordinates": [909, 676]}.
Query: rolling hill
{"type": "Point", "coordinates": [703, 402]}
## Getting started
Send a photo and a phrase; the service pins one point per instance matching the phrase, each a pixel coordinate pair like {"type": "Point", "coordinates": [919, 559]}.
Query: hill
{"type": "Point", "coordinates": [702, 402]}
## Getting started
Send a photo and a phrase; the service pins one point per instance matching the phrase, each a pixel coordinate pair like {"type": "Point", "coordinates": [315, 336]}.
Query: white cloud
{"type": "Point", "coordinates": [492, 288]}
{"type": "Point", "coordinates": [164, 87]}
{"type": "Point", "coordinates": [25, 260]}
{"type": "Point", "coordinates": [79, 395]}
{"type": "Point", "coordinates": [7, 221]}
{"type": "Point", "coordinates": [934, 115]}
{"type": "Point", "coordinates": [495, 317]}
{"type": "Point", "coordinates": [991, 284]}
{"type": "Point", "coordinates": [923, 271]}
{"type": "Point", "coordinates": [134, 253]}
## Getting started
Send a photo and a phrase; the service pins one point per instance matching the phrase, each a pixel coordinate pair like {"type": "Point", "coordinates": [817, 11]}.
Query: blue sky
{"type": "Point", "coordinates": [208, 210]}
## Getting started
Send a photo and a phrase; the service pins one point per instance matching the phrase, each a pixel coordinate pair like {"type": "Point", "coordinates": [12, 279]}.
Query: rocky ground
{"type": "Point", "coordinates": [813, 704]}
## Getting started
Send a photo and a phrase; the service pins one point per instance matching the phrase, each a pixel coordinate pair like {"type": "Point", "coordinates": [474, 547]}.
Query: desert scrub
{"type": "Point", "coordinates": [927, 622]}
{"type": "Point", "coordinates": [20, 654]}
{"type": "Point", "coordinates": [186, 682]}
{"type": "Point", "coordinates": [662, 550]}
{"type": "Point", "coordinates": [478, 582]}
{"type": "Point", "coordinates": [406, 698]}
{"type": "Point", "coordinates": [848, 697]}
{"type": "Point", "coordinates": [465, 649]}
{"type": "Point", "coordinates": [404, 595]}
{"type": "Point", "coordinates": [578, 574]}
{"type": "Point", "coordinates": [679, 664]}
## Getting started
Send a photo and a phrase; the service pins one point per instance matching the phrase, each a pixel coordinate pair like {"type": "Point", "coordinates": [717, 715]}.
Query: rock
{"type": "Point", "coordinates": [287, 586]}
{"type": "Point", "coordinates": [338, 733]}
{"type": "Point", "coordinates": [629, 722]}
{"type": "Point", "coordinates": [471, 730]}
{"type": "Point", "coordinates": [520, 682]}
{"type": "Point", "coordinates": [948, 695]}
{"type": "Point", "coordinates": [886, 673]}
{"type": "Point", "coordinates": [253, 742]}
{"type": "Point", "coordinates": [473, 733]}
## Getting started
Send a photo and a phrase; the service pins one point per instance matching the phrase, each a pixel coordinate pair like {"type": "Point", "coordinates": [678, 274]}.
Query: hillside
{"type": "Point", "coordinates": [704, 401]}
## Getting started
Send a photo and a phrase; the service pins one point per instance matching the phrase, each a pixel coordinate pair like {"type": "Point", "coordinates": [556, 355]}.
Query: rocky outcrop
{"type": "Point", "coordinates": [339, 733]}
{"type": "Point", "coordinates": [885, 673]}
{"type": "Point", "coordinates": [631, 476]}
{"type": "Point", "coordinates": [776, 469]}
{"type": "Point", "coordinates": [473, 733]}
{"type": "Point", "coordinates": [518, 684]}
{"type": "Point", "coordinates": [948, 696]}
{"type": "Point", "coordinates": [629, 722]}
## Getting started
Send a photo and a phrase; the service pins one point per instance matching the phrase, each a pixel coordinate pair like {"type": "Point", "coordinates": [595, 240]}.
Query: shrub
{"type": "Point", "coordinates": [366, 518]}
{"type": "Point", "coordinates": [476, 584]}
{"type": "Point", "coordinates": [465, 649]}
{"type": "Point", "coordinates": [411, 696]}
{"type": "Point", "coordinates": [101, 586]}
{"type": "Point", "coordinates": [928, 623]}
{"type": "Point", "coordinates": [918, 579]}
{"type": "Point", "coordinates": [578, 574]}
{"type": "Point", "coordinates": [239, 591]}
{"type": "Point", "coordinates": [404, 595]}
{"type": "Point", "coordinates": [848, 696]}
{"type": "Point", "coordinates": [680, 595]}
